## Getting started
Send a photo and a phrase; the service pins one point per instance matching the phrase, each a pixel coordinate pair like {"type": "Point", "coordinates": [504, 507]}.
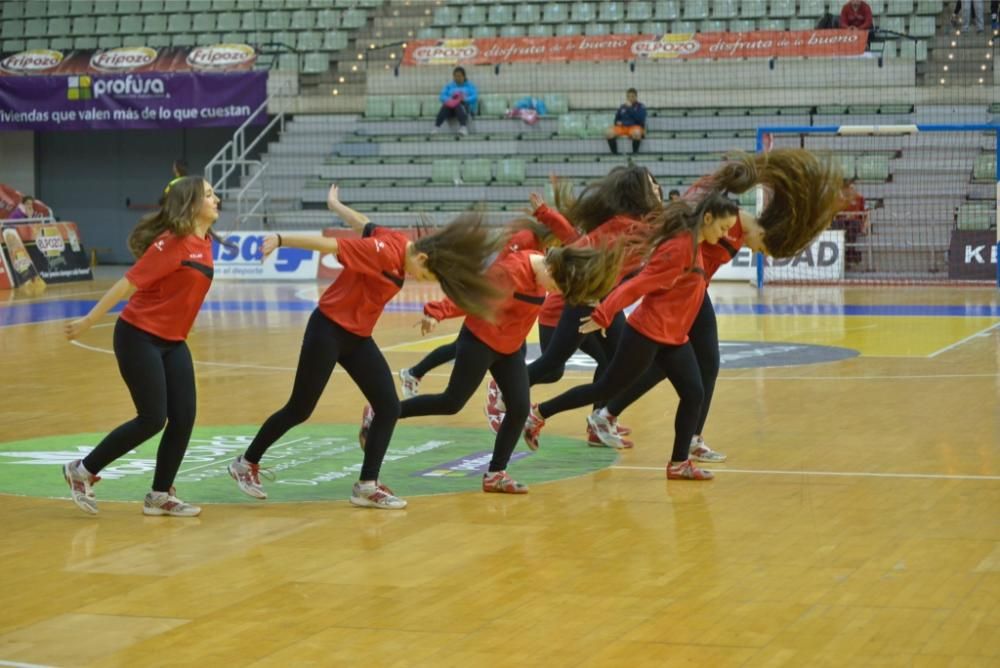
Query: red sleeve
{"type": "Point", "coordinates": [844, 16]}
{"type": "Point", "coordinates": [555, 221]}
{"type": "Point", "coordinates": [162, 257]}
{"type": "Point", "coordinates": [370, 255]}
{"type": "Point", "coordinates": [660, 273]}
{"type": "Point", "coordinates": [443, 309]}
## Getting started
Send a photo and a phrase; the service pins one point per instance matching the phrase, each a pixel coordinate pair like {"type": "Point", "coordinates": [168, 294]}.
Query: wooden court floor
{"type": "Point", "coordinates": [856, 523]}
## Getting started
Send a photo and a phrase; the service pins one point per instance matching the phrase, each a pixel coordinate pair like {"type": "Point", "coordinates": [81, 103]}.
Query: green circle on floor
{"type": "Point", "coordinates": [310, 463]}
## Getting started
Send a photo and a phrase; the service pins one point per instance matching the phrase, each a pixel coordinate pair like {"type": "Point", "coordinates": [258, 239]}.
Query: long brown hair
{"type": "Point", "coordinates": [624, 191]}
{"type": "Point", "coordinates": [177, 213]}
{"type": "Point", "coordinates": [585, 275]}
{"type": "Point", "coordinates": [679, 217]}
{"type": "Point", "coordinates": [543, 235]}
{"type": "Point", "coordinates": [804, 194]}
{"type": "Point", "coordinates": [457, 255]}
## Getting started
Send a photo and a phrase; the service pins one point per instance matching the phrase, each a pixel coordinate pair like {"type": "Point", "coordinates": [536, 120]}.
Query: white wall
{"type": "Point", "coordinates": [17, 160]}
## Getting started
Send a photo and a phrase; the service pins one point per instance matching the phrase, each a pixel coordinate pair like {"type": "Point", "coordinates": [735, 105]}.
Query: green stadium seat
{"type": "Point", "coordinates": [873, 167]}
{"type": "Point", "coordinates": [511, 30]}
{"type": "Point", "coordinates": [684, 27]}
{"type": "Point", "coordinates": [807, 8]}
{"type": "Point", "coordinates": [900, 7]}
{"type": "Point", "coordinates": [303, 19]}
{"type": "Point", "coordinates": [922, 26]}
{"type": "Point", "coordinates": [158, 41]}
{"type": "Point", "coordinates": [540, 30]}
{"type": "Point", "coordinates": [87, 42]}
{"type": "Point", "coordinates": [154, 24]}
{"type": "Point", "coordinates": [278, 21]}
{"type": "Point", "coordinates": [486, 32]}
{"type": "Point", "coordinates": [31, 28]}
{"type": "Point", "coordinates": [655, 28]}
{"type": "Point", "coordinates": [932, 7]}
{"type": "Point", "coordinates": [712, 25]}
{"type": "Point", "coordinates": [354, 18]}
{"type": "Point", "coordinates": [285, 38]}
{"type": "Point", "coordinates": [510, 171]}
{"type": "Point", "coordinates": [500, 15]}
{"type": "Point", "coordinates": [583, 12]}
{"type": "Point", "coordinates": [132, 40]}
{"type": "Point", "coordinates": [223, 5]}
{"type": "Point", "coordinates": [203, 22]}
{"type": "Point", "coordinates": [228, 21]}
{"type": "Point", "coordinates": [878, 7]}
{"type": "Point", "coordinates": [782, 9]}
{"type": "Point", "coordinates": [625, 28]}
{"type": "Point", "coordinates": [597, 124]}
{"type": "Point", "coordinates": [335, 41]}
{"type": "Point", "coordinates": [106, 25]}
{"type": "Point", "coordinates": [406, 106]}
{"type": "Point", "coordinates": [15, 45]}
{"type": "Point", "coordinates": [572, 125]}
{"type": "Point", "coordinates": [556, 103]}
{"type": "Point", "coordinates": [315, 63]}
{"type": "Point", "coordinates": [725, 9]}
{"type": "Point", "coordinates": [473, 15]}
{"type": "Point", "coordinates": [975, 216]}
{"type": "Point", "coordinates": [742, 25]}
{"type": "Point", "coordinates": [109, 42]}
{"type": "Point", "coordinates": [801, 24]}
{"type": "Point", "coordinates": [207, 38]}
{"type": "Point", "coordinates": [39, 43]}
{"type": "Point", "coordinates": [493, 105]}
{"type": "Point", "coordinates": [429, 33]}
{"type": "Point", "coordinates": [554, 12]}
{"type": "Point", "coordinates": [527, 14]}
{"type": "Point", "coordinates": [182, 39]}
{"type": "Point", "coordinates": [378, 107]}
{"type": "Point", "coordinates": [288, 62]}
{"type": "Point", "coordinates": [892, 23]}
{"type": "Point", "coordinates": [151, 7]}
{"type": "Point", "coordinates": [35, 9]}
{"type": "Point", "coordinates": [252, 21]}
{"type": "Point", "coordinates": [479, 170]}
{"type": "Point", "coordinates": [456, 32]}
{"type": "Point", "coordinates": [985, 168]}
{"type": "Point", "coordinates": [58, 27]}
{"type": "Point", "coordinates": [695, 10]}
{"type": "Point", "coordinates": [611, 11]}
{"type": "Point", "coordinates": [128, 7]}
{"type": "Point", "coordinates": [913, 50]}
{"type": "Point", "coordinates": [12, 9]}
{"type": "Point", "coordinates": [848, 164]}
{"type": "Point", "coordinates": [179, 23]}
{"type": "Point", "coordinates": [772, 24]}
{"type": "Point", "coordinates": [76, 8]}
{"type": "Point", "coordinates": [327, 19]}
{"type": "Point", "coordinates": [201, 6]}
{"type": "Point", "coordinates": [756, 9]}
{"type": "Point", "coordinates": [668, 10]}
{"type": "Point", "coordinates": [445, 172]}
{"type": "Point", "coordinates": [429, 107]}
{"type": "Point", "coordinates": [887, 49]}
{"type": "Point", "coordinates": [597, 29]}
{"type": "Point", "coordinates": [639, 10]}
{"type": "Point", "coordinates": [309, 41]}
{"type": "Point", "coordinates": [234, 38]}
{"type": "Point", "coordinates": [569, 29]}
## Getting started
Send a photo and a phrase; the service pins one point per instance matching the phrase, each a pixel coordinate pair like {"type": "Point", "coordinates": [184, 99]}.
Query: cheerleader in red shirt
{"type": "Point", "coordinates": [802, 198]}
{"type": "Point", "coordinates": [340, 329]}
{"type": "Point", "coordinates": [497, 345]}
{"type": "Point", "coordinates": [165, 288]}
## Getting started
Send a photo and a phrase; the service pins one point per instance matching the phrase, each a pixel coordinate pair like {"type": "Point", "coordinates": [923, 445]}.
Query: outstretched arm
{"type": "Point", "coordinates": [356, 220]}
{"type": "Point", "coordinates": [313, 243]}
{"type": "Point", "coordinates": [123, 289]}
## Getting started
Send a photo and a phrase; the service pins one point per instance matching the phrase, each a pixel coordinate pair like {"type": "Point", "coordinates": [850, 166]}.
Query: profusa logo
{"type": "Point", "coordinates": [36, 60]}
{"type": "Point", "coordinates": [670, 46]}
{"type": "Point", "coordinates": [125, 58]}
{"type": "Point", "coordinates": [129, 86]}
{"type": "Point", "coordinates": [221, 56]}
{"type": "Point", "coordinates": [447, 51]}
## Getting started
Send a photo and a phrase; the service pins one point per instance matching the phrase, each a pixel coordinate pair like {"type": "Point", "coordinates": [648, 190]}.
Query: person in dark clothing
{"type": "Point", "coordinates": [630, 121]}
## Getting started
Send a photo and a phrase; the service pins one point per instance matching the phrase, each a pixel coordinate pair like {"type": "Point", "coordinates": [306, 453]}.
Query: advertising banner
{"type": "Point", "coordinates": [679, 46]}
{"type": "Point", "coordinates": [972, 255]}
{"type": "Point", "coordinates": [130, 88]}
{"type": "Point", "coordinates": [54, 250]}
{"type": "Point", "coordinates": [822, 260]}
{"type": "Point", "coordinates": [243, 261]}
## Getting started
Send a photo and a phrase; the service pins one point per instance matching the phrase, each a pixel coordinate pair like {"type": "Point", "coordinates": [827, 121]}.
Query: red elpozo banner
{"type": "Point", "coordinates": [53, 250]}
{"type": "Point", "coordinates": [680, 46]}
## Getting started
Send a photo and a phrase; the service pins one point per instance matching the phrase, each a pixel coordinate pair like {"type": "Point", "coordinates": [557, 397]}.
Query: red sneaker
{"type": "Point", "coordinates": [533, 427]}
{"type": "Point", "coordinates": [502, 483]}
{"type": "Point", "coordinates": [495, 407]}
{"type": "Point", "coordinates": [687, 471]}
{"type": "Point", "coordinates": [596, 438]}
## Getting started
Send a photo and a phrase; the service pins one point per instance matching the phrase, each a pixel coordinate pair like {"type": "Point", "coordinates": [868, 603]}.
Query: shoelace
{"type": "Point", "coordinates": [256, 471]}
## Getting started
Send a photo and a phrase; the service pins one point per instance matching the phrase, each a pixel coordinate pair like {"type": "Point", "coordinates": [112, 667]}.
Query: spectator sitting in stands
{"type": "Point", "coordinates": [458, 100]}
{"type": "Point", "coordinates": [630, 121]}
{"type": "Point", "coordinates": [853, 226]}
{"type": "Point", "coordinates": [856, 15]}
{"type": "Point", "coordinates": [26, 209]}
{"type": "Point", "coordinates": [674, 195]}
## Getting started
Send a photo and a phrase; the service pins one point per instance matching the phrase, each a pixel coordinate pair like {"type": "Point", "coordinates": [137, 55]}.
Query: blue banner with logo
{"type": "Point", "coordinates": [140, 100]}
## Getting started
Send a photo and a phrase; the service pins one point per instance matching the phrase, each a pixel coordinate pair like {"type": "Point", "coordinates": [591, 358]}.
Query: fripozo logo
{"type": "Point", "coordinates": [36, 60]}
{"type": "Point", "coordinates": [125, 58]}
{"type": "Point", "coordinates": [669, 46]}
{"type": "Point", "coordinates": [220, 56]}
{"type": "Point", "coordinates": [130, 86]}
{"type": "Point", "coordinates": [449, 50]}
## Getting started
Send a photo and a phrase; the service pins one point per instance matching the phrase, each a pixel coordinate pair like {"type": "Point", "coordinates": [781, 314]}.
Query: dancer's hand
{"type": "Point", "coordinates": [587, 325]}
{"type": "Point", "coordinates": [427, 325]}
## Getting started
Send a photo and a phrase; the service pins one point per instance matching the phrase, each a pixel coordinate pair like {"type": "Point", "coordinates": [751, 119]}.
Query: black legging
{"type": "Point", "coordinates": [160, 377]}
{"type": "Point", "coordinates": [704, 337]}
{"type": "Point", "coordinates": [459, 111]}
{"type": "Point", "coordinates": [473, 359]}
{"type": "Point", "coordinates": [435, 358]}
{"type": "Point", "coordinates": [566, 339]}
{"type": "Point", "coordinates": [324, 345]}
{"type": "Point", "coordinates": [635, 353]}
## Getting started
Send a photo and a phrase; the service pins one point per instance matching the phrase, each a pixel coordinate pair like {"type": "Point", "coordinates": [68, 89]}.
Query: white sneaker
{"type": "Point", "coordinates": [435, 130]}
{"type": "Point", "coordinates": [81, 482]}
{"type": "Point", "coordinates": [409, 383]}
{"type": "Point", "coordinates": [165, 503]}
{"type": "Point", "coordinates": [605, 430]}
{"type": "Point", "coordinates": [700, 452]}
{"type": "Point", "coordinates": [375, 495]}
{"type": "Point", "coordinates": [247, 477]}
{"type": "Point", "coordinates": [463, 131]}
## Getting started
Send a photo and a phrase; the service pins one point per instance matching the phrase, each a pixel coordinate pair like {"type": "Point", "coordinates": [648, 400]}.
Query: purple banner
{"type": "Point", "coordinates": [140, 100]}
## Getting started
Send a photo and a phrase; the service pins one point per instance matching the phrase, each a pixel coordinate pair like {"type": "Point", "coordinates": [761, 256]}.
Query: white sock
{"type": "Point", "coordinates": [606, 415]}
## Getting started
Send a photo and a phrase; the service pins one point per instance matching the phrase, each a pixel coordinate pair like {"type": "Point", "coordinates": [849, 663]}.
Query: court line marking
{"type": "Point", "coordinates": [837, 474]}
{"type": "Point", "coordinates": [223, 461]}
{"type": "Point", "coordinates": [590, 374]}
{"type": "Point", "coordinates": [15, 664]}
{"type": "Point", "coordinates": [980, 333]}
